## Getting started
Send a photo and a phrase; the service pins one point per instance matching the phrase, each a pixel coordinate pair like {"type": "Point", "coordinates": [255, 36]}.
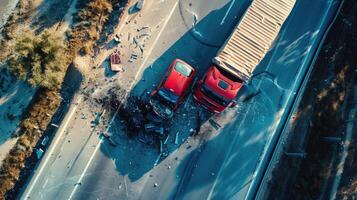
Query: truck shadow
{"type": "Point", "coordinates": [226, 170]}
{"type": "Point", "coordinates": [132, 157]}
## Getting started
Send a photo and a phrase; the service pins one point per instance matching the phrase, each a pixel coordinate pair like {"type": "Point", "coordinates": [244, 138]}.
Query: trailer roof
{"type": "Point", "coordinates": [253, 36]}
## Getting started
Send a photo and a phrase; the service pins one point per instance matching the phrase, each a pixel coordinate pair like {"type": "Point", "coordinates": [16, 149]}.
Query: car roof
{"type": "Point", "coordinates": [177, 82]}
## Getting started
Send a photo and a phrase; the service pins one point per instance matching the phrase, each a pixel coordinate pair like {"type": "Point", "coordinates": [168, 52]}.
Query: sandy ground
{"type": "Point", "coordinates": [15, 96]}
{"type": "Point", "coordinates": [14, 99]}
{"type": "Point", "coordinates": [6, 6]}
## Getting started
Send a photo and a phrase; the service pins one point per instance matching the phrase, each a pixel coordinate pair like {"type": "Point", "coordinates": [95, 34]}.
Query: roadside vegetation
{"type": "Point", "coordinates": [337, 65]}
{"type": "Point", "coordinates": [33, 126]}
{"type": "Point", "coordinates": [42, 61]}
{"type": "Point", "coordinates": [320, 115]}
{"type": "Point", "coordinates": [86, 32]}
{"type": "Point", "coordinates": [20, 14]}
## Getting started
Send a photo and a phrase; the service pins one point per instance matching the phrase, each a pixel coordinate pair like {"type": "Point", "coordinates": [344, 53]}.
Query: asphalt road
{"type": "Point", "coordinates": [6, 6]}
{"type": "Point", "coordinates": [226, 160]}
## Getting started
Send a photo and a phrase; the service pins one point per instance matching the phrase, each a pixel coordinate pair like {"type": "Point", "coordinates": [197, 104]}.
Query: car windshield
{"type": "Point", "coordinates": [183, 69]}
{"type": "Point", "coordinates": [168, 96]}
{"type": "Point", "coordinates": [214, 96]}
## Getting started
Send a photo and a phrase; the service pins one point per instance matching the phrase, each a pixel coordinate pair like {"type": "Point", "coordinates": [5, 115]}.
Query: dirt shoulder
{"type": "Point", "coordinates": [312, 146]}
{"type": "Point", "coordinates": [40, 15]}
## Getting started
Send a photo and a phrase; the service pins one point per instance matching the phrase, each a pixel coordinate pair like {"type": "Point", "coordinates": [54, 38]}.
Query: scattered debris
{"type": "Point", "coordinates": [45, 140]}
{"type": "Point", "coordinates": [112, 142]}
{"type": "Point", "coordinates": [157, 159]}
{"type": "Point", "coordinates": [83, 116]}
{"type": "Point", "coordinates": [115, 62]}
{"type": "Point", "coordinates": [79, 183]}
{"type": "Point", "coordinates": [161, 146]}
{"type": "Point", "coordinates": [96, 121]}
{"type": "Point", "coordinates": [117, 39]}
{"type": "Point", "coordinates": [106, 134]}
{"type": "Point", "coordinates": [54, 125]}
{"type": "Point", "coordinates": [39, 153]}
{"type": "Point", "coordinates": [214, 124]}
{"type": "Point", "coordinates": [176, 138]}
{"type": "Point", "coordinates": [167, 138]}
{"type": "Point", "coordinates": [155, 128]}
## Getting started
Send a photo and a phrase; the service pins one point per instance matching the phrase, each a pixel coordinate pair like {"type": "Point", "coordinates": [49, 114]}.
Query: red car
{"type": "Point", "coordinates": [175, 85]}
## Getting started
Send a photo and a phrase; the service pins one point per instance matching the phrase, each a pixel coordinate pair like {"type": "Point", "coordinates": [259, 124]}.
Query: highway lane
{"type": "Point", "coordinates": [59, 173]}
{"type": "Point", "coordinates": [247, 141]}
{"type": "Point", "coordinates": [223, 167]}
{"type": "Point", "coordinates": [124, 172]}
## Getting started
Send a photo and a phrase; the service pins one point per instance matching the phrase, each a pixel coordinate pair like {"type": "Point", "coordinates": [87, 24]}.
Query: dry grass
{"type": "Point", "coordinates": [92, 18]}
{"type": "Point", "coordinates": [82, 37]}
{"type": "Point", "coordinates": [12, 26]}
{"type": "Point", "coordinates": [33, 126]}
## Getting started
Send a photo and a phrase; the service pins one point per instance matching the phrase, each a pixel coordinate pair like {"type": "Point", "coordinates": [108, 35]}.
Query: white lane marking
{"type": "Point", "coordinates": [49, 153]}
{"type": "Point", "coordinates": [156, 40]}
{"type": "Point", "coordinates": [136, 76]}
{"type": "Point", "coordinates": [91, 158]}
{"type": "Point", "coordinates": [245, 116]}
{"type": "Point", "coordinates": [27, 194]}
{"type": "Point", "coordinates": [45, 184]}
{"type": "Point", "coordinates": [229, 10]}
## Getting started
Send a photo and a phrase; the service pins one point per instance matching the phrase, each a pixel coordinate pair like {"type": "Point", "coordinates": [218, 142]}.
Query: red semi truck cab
{"type": "Point", "coordinates": [242, 52]}
{"type": "Point", "coordinates": [217, 90]}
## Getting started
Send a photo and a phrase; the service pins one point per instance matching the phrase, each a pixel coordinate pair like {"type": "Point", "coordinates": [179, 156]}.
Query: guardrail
{"type": "Point", "coordinates": [275, 145]}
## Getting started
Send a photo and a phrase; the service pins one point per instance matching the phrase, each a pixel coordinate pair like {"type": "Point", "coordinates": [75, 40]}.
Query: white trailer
{"type": "Point", "coordinates": [252, 37]}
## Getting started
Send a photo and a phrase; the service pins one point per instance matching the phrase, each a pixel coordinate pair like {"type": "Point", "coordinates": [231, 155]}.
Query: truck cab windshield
{"type": "Point", "coordinates": [214, 96]}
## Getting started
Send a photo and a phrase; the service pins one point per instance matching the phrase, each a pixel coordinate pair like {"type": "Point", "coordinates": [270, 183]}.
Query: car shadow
{"type": "Point", "coordinates": [140, 158]}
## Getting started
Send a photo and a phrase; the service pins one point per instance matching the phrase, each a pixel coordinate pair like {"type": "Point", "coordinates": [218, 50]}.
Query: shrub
{"type": "Point", "coordinates": [39, 60]}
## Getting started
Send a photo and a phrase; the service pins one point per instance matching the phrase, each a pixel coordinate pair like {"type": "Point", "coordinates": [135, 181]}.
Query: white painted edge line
{"type": "Point", "coordinates": [228, 11]}
{"type": "Point", "coordinates": [155, 41]}
{"type": "Point", "coordinates": [53, 147]}
{"type": "Point", "coordinates": [92, 157]}
{"type": "Point", "coordinates": [136, 76]}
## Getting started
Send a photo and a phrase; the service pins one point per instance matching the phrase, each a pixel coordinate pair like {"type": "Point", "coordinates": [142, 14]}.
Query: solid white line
{"type": "Point", "coordinates": [85, 169]}
{"type": "Point", "coordinates": [156, 40]}
{"type": "Point", "coordinates": [91, 158]}
{"type": "Point", "coordinates": [229, 10]}
{"type": "Point", "coordinates": [136, 76]}
{"type": "Point", "coordinates": [45, 184]}
{"type": "Point", "coordinates": [49, 153]}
